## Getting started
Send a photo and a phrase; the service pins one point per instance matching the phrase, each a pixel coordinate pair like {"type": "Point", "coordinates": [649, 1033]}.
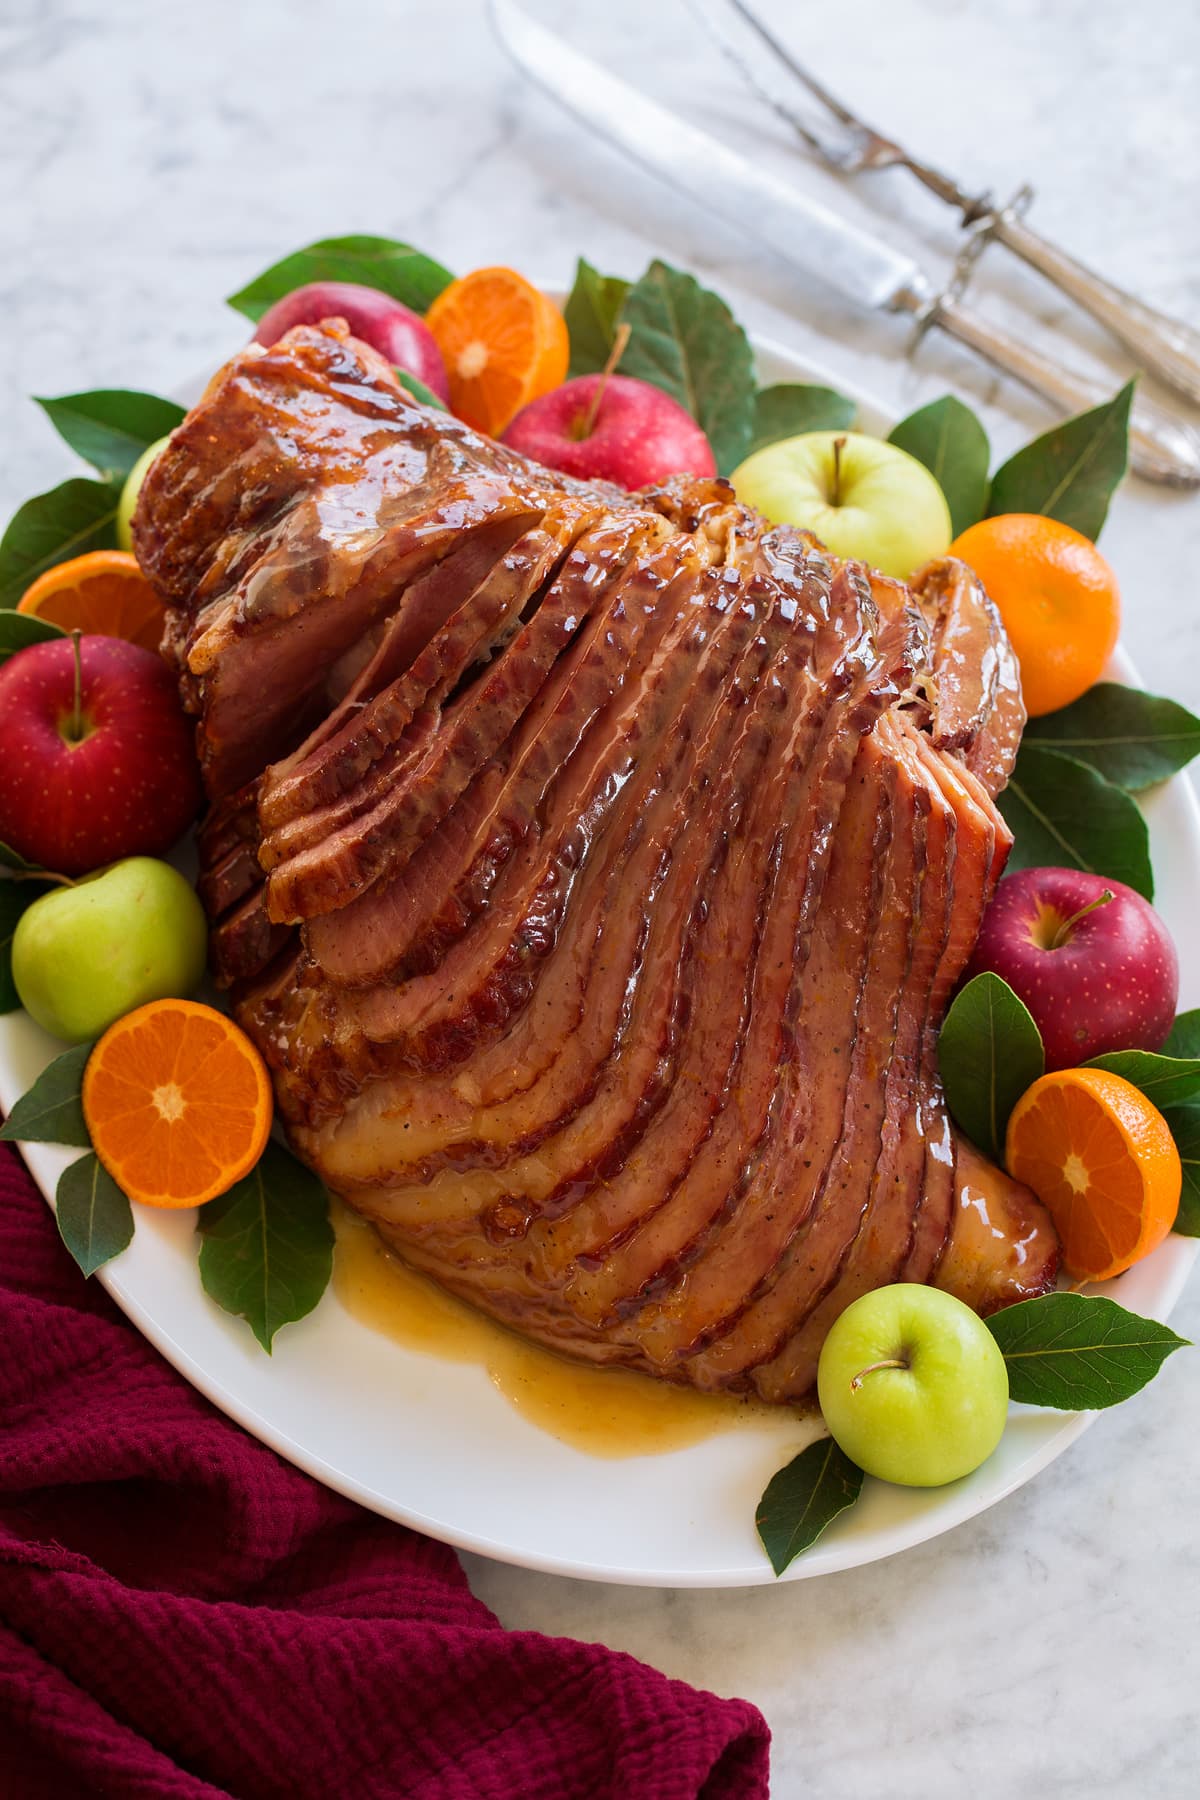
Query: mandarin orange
{"type": "Point", "coordinates": [178, 1103]}
{"type": "Point", "coordinates": [102, 593]}
{"type": "Point", "coordinates": [1058, 599]}
{"type": "Point", "coordinates": [1100, 1156]}
{"type": "Point", "coordinates": [503, 342]}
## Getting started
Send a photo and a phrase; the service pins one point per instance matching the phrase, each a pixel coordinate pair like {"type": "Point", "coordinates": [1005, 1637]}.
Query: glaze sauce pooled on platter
{"type": "Point", "coordinates": [606, 1412]}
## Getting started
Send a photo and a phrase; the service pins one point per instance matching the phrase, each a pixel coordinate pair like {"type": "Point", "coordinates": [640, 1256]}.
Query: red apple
{"type": "Point", "coordinates": [398, 334]}
{"type": "Point", "coordinates": [1097, 973]}
{"type": "Point", "coordinates": [639, 435]}
{"type": "Point", "coordinates": [116, 776]}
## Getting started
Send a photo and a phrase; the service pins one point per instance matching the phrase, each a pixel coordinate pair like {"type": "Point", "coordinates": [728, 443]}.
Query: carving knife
{"type": "Point", "coordinates": [812, 236]}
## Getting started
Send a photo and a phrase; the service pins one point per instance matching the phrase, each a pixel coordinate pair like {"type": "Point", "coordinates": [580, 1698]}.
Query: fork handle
{"type": "Point", "coordinates": [1164, 346]}
{"type": "Point", "coordinates": [1161, 447]}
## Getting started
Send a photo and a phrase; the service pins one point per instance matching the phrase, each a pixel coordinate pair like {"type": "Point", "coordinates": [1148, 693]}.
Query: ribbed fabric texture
{"type": "Point", "coordinates": [183, 1614]}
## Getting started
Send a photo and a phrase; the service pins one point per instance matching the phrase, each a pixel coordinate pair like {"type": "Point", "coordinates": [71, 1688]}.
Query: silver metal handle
{"type": "Point", "coordinates": [1164, 346]}
{"type": "Point", "coordinates": [1161, 447]}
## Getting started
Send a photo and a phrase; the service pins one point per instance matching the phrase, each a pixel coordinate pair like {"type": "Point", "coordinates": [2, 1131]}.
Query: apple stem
{"type": "Point", "coordinates": [839, 444]}
{"type": "Point", "coordinates": [77, 716]}
{"type": "Point", "coordinates": [620, 339]}
{"type": "Point", "coordinates": [889, 1362]}
{"type": "Point", "coordinates": [47, 877]}
{"type": "Point", "coordinates": [1064, 931]}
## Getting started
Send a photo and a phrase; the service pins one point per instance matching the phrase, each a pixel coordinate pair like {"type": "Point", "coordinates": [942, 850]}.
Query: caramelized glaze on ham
{"type": "Point", "coordinates": [593, 870]}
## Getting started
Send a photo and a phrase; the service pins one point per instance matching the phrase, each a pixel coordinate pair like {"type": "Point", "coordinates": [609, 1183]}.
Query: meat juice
{"type": "Point", "coordinates": [604, 1412]}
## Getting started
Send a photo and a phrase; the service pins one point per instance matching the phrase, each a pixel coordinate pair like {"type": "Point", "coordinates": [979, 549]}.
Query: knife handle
{"type": "Point", "coordinates": [1161, 447]}
{"type": "Point", "coordinates": [1164, 346]}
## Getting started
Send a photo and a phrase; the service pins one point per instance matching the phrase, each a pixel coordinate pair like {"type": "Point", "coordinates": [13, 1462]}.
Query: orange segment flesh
{"type": "Point", "coordinates": [1101, 1158]}
{"type": "Point", "coordinates": [503, 342]}
{"type": "Point", "coordinates": [178, 1103]}
{"type": "Point", "coordinates": [103, 592]}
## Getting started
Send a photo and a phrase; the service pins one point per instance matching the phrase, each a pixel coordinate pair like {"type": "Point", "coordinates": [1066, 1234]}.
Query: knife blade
{"type": "Point", "coordinates": [852, 261]}
{"type": "Point", "coordinates": [813, 237]}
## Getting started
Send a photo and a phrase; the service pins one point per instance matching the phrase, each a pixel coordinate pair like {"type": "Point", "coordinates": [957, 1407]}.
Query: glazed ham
{"type": "Point", "coordinates": [593, 870]}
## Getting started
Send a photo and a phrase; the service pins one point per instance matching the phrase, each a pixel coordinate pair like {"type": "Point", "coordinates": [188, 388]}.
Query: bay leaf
{"type": "Point", "coordinates": [1066, 815]}
{"type": "Point", "coordinates": [1132, 738]}
{"type": "Point", "coordinates": [1071, 472]}
{"type": "Point", "coordinates": [95, 1219]}
{"type": "Point", "coordinates": [51, 1112]}
{"type": "Point", "coordinates": [76, 516]}
{"type": "Point", "coordinates": [417, 387]}
{"type": "Point", "coordinates": [112, 427]}
{"type": "Point", "coordinates": [12, 859]}
{"type": "Point", "coordinates": [1078, 1352]}
{"type": "Point", "coordinates": [1184, 1122]}
{"type": "Point", "coordinates": [267, 1252]}
{"type": "Point", "coordinates": [394, 268]}
{"type": "Point", "coordinates": [18, 630]}
{"type": "Point", "coordinates": [948, 438]}
{"type": "Point", "coordinates": [1184, 1039]}
{"type": "Point", "coordinates": [794, 407]}
{"type": "Point", "coordinates": [989, 1052]}
{"type": "Point", "coordinates": [685, 340]}
{"type": "Point", "coordinates": [592, 310]}
{"type": "Point", "coordinates": [15, 896]}
{"type": "Point", "coordinates": [804, 1497]}
{"type": "Point", "coordinates": [1167, 1080]}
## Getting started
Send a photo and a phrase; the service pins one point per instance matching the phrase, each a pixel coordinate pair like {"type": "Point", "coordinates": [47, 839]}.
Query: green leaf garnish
{"type": "Point", "coordinates": [18, 630]}
{"type": "Point", "coordinates": [1079, 1352]}
{"type": "Point", "coordinates": [1167, 1080]}
{"type": "Point", "coordinates": [417, 388]}
{"type": "Point", "coordinates": [1185, 1035]}
{"type": "Point", "coordinates": [1064, 814]}
{"type": "Point", "coordinates": [989, 1052]}
{"type": "Point", "coordinates": [112, 427]}
{"type": "Point", "coordinates": [1184, 1123]}
{"type": "Point", "coordinates": [394, 268]}
{"type": "Point", "coordinates": [268, 1244]}
{"type": "Point", "coordinates": [948, 438]}
{"type": "Point", "coordinates": [592, 310]}
{"type": "Point", "coordinates": [1133, 738]}
{"type": "Point", "coordinates": [792, 408]}
{"type": "Point", "coordinates": [686, 341]}
{"type": "Point", "coordinates": [15, 896]}
{"type": "Point", "coordinates": [12, 859]}
{"type": "Point", "coordinates": [803, 1498]}
{"type": "Point", "coordinates": [50, 528]}
{"type": "Point", "coordinates": [52, 1111]}
{"type": "Point", "coordinates": [95, 1219]}
{"type": "Point", "coordinates": [1072, 472]}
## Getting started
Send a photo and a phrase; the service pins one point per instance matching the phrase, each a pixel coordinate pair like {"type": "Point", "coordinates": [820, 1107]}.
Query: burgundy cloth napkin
{"type": "Point", "coordinates": [183, 1614]}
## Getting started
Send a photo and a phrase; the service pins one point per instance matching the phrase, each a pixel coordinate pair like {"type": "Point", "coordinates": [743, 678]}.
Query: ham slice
{"type": "Point", "coordinates": [593, 870]}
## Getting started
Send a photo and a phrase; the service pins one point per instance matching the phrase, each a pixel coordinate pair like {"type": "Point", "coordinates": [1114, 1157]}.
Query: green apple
{"type": "Point", "coordinates": [913, 1386]}
{"type": "Point", "coordinates": [84, 955]}
{"type": "Point", "coordinates": [863, 498]}
{"type": "Point", "coordinates": [130, 492]}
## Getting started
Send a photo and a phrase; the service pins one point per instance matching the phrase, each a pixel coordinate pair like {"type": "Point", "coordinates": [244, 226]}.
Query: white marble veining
{"type": "Point", "coordinates": [153, 155]}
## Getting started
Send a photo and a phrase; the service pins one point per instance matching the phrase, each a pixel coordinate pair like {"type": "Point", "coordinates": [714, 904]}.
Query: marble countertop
{"type": "Point", "coordinates": [154, 156]}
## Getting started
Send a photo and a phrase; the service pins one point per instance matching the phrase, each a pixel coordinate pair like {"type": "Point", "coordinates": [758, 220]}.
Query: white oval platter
{"type": "Point", "coordinates": [433, 1444]}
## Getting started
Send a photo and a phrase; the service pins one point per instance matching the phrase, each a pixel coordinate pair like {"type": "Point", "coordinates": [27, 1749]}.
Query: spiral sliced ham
{"type": "Point", "coordinates": [593, 870]}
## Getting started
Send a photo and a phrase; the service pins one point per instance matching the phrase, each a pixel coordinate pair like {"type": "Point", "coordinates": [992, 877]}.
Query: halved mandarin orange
{"type": "Point", "coordinates": [178, 1103]}
{"type": "Point", "coordinates": [102, 592]}
{"type": "Point", "coordinates": [1101, 1158]}
{"type": "Point", "coordinates": [503, 342]}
